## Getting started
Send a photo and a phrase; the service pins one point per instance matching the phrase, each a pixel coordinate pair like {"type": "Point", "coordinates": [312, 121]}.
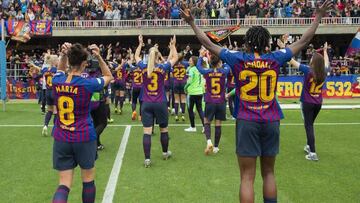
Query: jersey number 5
{"type": "Point", "coordinates": [66, 110]}
{"type": "Point", "coordinates": [215, 86]}
{"type": "Point", "coordinates": [266, 93]}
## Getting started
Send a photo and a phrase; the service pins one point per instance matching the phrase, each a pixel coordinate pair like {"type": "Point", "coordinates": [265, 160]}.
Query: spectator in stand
{"type": "Point", "coordinates": [175, 12]}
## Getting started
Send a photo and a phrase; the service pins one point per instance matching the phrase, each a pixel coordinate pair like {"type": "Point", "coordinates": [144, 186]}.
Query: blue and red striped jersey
{"type": "Point", "coordinates": [230, 83]}
{"type": "Point", "coordinates": [120, 75]}
{"type": "Point", "coordinates": [137, 78]}
{"type": "Point", "coordinates": [215, 82]}
{"type": "Point", "coordinates": [48, 73]}
{"type": "Point", "coordinates": [72, 99]}
{"type": "Point", "coordinates": [256, 82]}
{"type": "Point", "coordinates": [311, 92]}
{"type": "Point", "coordinates": [179, 72]}
{"type": "Point", "coordinates": [153, 88]}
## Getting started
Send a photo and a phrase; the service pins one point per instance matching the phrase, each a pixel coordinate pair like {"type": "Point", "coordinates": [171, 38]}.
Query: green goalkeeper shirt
{"type": "Point", "coordinates": [195, 84]}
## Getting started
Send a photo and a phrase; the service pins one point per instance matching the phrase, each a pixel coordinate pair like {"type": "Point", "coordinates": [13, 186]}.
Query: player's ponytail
{"type": "Point", "coordinates": [318, 67]}
{"type": "Point", "coordinates": [151, 62]}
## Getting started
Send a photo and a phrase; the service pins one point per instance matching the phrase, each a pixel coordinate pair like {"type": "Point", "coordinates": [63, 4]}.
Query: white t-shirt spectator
{"type": "Point", "coordinates": [116, 14]}
{"type": "Point", "coordinates": [108, 15]}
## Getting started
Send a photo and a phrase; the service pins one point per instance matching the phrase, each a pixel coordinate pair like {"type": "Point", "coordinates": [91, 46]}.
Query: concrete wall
{"type": "Point", "coordinates": [294, 30]}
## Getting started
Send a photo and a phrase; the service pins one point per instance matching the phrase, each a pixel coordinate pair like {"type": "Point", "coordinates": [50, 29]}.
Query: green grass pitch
{"type": "Point", "coordinates": [26, 173]}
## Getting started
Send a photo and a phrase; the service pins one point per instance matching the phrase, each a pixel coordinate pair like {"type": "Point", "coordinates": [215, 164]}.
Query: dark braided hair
{"type": "Point", "coordinates": [257, 39]}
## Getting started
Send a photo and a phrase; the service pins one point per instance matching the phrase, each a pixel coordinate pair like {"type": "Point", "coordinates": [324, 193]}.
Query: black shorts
{"type": "Point", "coordinates": [257, 139]}
{"type": "Point", "coordinates": [215, 110]}
{"type": "Point", "coordinates": [68, 155]}
{"type": "Point", "coordinates": [179, 88]}
{"type": "Point", "coordinates": [49, 97]}
{"type": "Point", "coordinates": [119, 87]}
{"type": "Point", "coordinates": [151, 111]}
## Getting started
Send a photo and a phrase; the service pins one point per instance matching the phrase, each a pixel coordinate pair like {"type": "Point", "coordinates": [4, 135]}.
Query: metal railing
{"type": "Point", "coordinates": [161, 23]}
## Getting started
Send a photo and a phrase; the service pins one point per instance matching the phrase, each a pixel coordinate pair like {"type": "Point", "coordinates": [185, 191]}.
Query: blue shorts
{"type": "Point", "coordinates": [49, 97]}
{"type": "Point", "coordinates": [179, 88]}
{"type": "Point", "coordinates": [257, 139]}
{"type": "Point", "coordinates": [67, 155]}
{"type": "Point", "coordinates": [119, 87]}
{"type": "Point", "coordinates": [151, 111]}
{"type": "Point", "coordinates": [217, 111]}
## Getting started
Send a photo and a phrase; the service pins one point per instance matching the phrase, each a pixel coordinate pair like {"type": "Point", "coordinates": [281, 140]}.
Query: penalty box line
{"type": "Point", "coordinates": [182, 125]}
{"type": "Point", "coordinates": [114, 175]}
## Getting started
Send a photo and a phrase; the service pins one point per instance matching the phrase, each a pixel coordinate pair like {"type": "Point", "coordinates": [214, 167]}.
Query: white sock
{"type": "Point", "coordinates": [209, 142]}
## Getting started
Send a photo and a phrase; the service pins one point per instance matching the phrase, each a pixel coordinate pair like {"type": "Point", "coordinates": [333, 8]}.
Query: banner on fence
{"type": "Point", "coordinates": [347, 86]}
{"type": "Point", "coordinates": [21, 90]}
{"type": "Point", "coordinates": [41, 27]}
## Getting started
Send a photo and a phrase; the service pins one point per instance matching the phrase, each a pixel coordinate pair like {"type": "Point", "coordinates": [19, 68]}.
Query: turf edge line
{"type": "Point", "coordinates": [114, 175]}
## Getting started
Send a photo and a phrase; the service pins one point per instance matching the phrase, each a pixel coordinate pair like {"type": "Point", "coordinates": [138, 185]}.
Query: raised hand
{"type": "Point", "coordinates": [186, 14]}
{"type": "Point", "coordinates": [325, 46]}
{"type": "Point", "coordinates": [321, 11]}
{"type": "Point", "coordinates": [65, 48]}
{"type": "Point", "coordinates": [94, 50]}
{"type": "Point", "coordinates": [141, 40]}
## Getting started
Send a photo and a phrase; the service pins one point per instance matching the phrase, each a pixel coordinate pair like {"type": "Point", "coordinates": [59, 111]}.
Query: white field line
{"type": "Point", "coordinates": [182, 125]}
{"type": "Point", "coordinates": [114, 175]}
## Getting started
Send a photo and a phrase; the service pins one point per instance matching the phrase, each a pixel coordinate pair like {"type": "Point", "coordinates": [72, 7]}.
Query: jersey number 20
{"type": "Point", "coordinates": [266, 93]}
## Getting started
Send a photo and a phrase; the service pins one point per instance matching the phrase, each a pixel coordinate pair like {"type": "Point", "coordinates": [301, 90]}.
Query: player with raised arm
{"type": "Point", "coordinates": [180, 77]}
{"type": "Point", "coordinates": [119, 84]}
{"type": "Point", "coordinates": [48, 70]}
{"type": "Point", "coordinates": [215, 106]}
{"type": "Point", "coordinates": [311, 96]}
{"type": "Point", "coordinates": [74, 133]}
{"type": "Point", "coordinates": [154, 104]}
{"type": "Point", "coordinates": [258, 114]}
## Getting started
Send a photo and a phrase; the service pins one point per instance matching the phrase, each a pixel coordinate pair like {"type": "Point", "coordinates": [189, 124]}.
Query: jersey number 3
{"type": "Point", "coordinates": [153, 86]}
{"type": "Point", "coordinates": [66, 110]}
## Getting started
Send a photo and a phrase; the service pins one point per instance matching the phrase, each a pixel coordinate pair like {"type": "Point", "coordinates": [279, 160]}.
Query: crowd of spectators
{"type": "Point", "coordinates": [167, 9]}
{"type": "Point", "coordinates": [19, 61]}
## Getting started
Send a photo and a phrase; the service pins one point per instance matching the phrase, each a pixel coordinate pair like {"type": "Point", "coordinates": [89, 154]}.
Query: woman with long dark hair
{"type": "Point", "coordinates": [311, 96]}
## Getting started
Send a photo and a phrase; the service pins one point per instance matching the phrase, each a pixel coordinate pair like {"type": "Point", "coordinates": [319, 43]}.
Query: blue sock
{"type": "Point", "coordinates": [270, 200]}
{"type": "Point", "coordinates": [164, 138]}
{"type": "Point", "coordinates": [48, 118]}
{"type": "Point", "coordinates": [61, 194]}
{"type": "Point", "coordinates": [217, 135]}
{"type": "Point", "coordinates": [207, 127]}
{"type": "Point", "coordinates": [176, 107]}
{"type": "Point", "coordinates": [147, 145]}
{"type": "Point", "coordinates": [89, 192]}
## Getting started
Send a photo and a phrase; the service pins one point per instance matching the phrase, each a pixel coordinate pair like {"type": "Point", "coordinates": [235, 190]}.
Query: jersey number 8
{"type": "Point", "coordinates": [66, 110]}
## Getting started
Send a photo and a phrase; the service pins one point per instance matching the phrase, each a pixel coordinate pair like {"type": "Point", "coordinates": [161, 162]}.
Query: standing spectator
{"type": "Point", "coordinates": [279, 11]}
{"type": "Point", "coordinates": [12, 12]}
{"type": "Point", "coordinates": [232, 11]}
{"type": "Point", "coordinates": [108, 15]}
{"type": "Point", "coordinates": [223, 13]}
{"type": "Point", "coordinates": [175, 12]}
{"type": "Point", "coordinates": [288, 10]}
{"type": "Point", "coordinates": [116, 13]}
{"type": "Point", "coordinates": [261, 12]}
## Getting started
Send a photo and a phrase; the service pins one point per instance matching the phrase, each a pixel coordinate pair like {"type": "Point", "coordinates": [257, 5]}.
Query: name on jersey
{"type": "Point", "coordinates": [158, 70]}
{"type": "Point", "coordinates": [257, 64]}
{"type": "Point", "coordinates": [262, 107]}
{"type": "Point", "coordinates": [66, 89]}
{"type": "Point", "coordinates": [215, 74]}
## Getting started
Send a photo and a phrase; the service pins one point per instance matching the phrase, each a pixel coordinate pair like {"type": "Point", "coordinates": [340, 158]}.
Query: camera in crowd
{"type": "Point", "coordinates": [93, 64]}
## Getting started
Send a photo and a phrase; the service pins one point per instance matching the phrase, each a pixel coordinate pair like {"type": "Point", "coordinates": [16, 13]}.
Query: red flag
{"type": "Point", "coordinates": [221, 34]}
{"type": "Point", "coordinates": [21, 32]}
